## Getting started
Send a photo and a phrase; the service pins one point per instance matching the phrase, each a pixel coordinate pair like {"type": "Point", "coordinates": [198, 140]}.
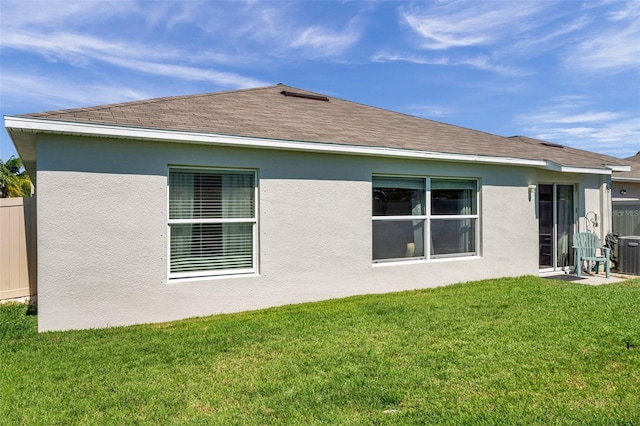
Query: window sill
{"type": "Point", "coordinates": [425, 261]}
{"type": "Point", "coordinates": [179, 280]}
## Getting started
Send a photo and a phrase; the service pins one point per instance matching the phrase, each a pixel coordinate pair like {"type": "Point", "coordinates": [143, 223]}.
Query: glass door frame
{"type": "Point", "coordinates": [554, 227]}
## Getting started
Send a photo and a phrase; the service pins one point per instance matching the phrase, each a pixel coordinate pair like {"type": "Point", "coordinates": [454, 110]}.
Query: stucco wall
{"type": "Point", "coordinates": [102, 225]}
{"type": "Point", "coordinates": [626, 190]}
{"type": "Point", "coordinates": [626, 208]}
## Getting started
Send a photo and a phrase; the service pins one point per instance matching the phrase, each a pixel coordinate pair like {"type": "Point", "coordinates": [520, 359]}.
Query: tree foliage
{"type": "Point", "coordinates": [14, 181]}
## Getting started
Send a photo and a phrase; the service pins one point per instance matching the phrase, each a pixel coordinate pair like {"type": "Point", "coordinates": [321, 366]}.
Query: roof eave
{"type": "Point", "coordinates": [618, 167]}
{"type": "Point", "coordinates": [605, 170]}
{"type": "Point", "coordinates": [17, 124]}
{"type": "Point", "coordinates": [625, 179]}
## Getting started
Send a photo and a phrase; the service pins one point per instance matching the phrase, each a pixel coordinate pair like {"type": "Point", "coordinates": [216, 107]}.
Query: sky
{"type": "Point", "coordinates": [567, 72]}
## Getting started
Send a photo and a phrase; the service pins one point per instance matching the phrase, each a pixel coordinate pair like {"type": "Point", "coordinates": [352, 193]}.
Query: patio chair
{"type": "Point", "coordinates": [586, 246]}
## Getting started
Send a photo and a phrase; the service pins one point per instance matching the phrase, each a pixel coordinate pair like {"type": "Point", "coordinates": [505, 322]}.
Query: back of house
{"type": "Point", "coordinates": [186, 206]}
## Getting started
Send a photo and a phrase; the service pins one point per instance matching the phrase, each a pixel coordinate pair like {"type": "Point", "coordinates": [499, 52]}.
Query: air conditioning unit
{"type": "Point", "coordinates": [629, 255]}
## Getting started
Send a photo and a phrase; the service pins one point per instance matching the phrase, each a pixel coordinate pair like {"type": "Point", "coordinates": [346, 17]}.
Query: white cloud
{"type": "Point", "coordinates": [610, 44]}
{"type": "Point", "coordinates": [80, 50]}
{"type": "Point", "coordinates": [548, 36]}
{"type": "Point", "coordinates": [484, 63]}
{"type": "Point", "coordinates": [619, 139]}
{"type": "Point", "coordinates": [64, 45]}
{"type": "Point", "coordinates": [25, 89]}
{"type": "Point", "coordinates": [586, 117]}
{"type": "Point", "coordinates": [567, 123]}
{"type": "Point", "coordinates": [439, 35]}
{"type": "Point", "coordinates": [412, 58]}
{"type": "Point", "coordinates": [571, 101]}
{"type": "Point", "coordinates": [282, 35]}
{"type": "Point", "coordinates": [186, 73]}
{"type": "Point", "coordinates": [446, 25]}
{"type": "Point", "coordinates": [624, 11]}
{"type": "Point", "coordinates": [479, 62]}
{"type": "Point", "coordinates": [48, 14]}
{"type": "Point", "coordinates": [241, 34]}
{"type": "Point", "coordinates": [430, 111]}
{"type": "Point", "coordinates": [321, 41]}
{"type": "Point", "coordinates": [76, 14]}
{"type": "Point", "coordinates": [597, 37]}
{"type": "Point", "coordinates": [614, 50]}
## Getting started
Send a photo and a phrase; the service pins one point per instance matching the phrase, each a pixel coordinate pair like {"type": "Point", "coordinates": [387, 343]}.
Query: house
{"type": "Point", "coordinates": [626, 199]}
{"type": "Point", "coordinates": [626, 185]}
{"type": "Point", "coordinates": [187, 206]}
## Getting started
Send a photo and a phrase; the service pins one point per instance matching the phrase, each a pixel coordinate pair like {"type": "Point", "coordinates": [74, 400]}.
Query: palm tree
{"type": "Point", "coordinates": [14, 181]}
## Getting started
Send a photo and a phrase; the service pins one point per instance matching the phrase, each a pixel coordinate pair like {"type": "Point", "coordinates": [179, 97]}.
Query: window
{"type": "Point", "coordinates": [399, 214]}
{"type": "Point", "coordinates": [409, 211]}
{"type": "Point", "coordinates": [454, 214]}
{"type": "Point", "coordinates": [212, 221]}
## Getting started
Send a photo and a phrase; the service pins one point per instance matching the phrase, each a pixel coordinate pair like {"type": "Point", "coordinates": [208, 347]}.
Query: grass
{"type": "Point", "coordinates": [510, 351]}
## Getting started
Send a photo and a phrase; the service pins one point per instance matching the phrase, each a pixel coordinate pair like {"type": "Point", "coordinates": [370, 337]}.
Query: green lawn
{"type": "Point", "coordinates": [510, 351]}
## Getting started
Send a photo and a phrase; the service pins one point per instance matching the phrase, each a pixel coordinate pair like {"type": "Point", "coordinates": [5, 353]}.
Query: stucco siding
{"type": "Point", "coordinates": [102, 225]}
{"type": "Point", "coordinates": [626, 208]}
{"type": "Point", "coordinates": [593, 194]}
{"type": "Point", "coordinates": [626, 190]}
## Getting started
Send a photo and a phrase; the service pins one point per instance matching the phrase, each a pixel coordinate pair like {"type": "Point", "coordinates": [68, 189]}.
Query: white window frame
{"type": "Point", "coordinates": [254, 220]}
{"type": "Point", "coordinates": [428, 217]}
{"type": "Point", "coordinates": [475, 216]}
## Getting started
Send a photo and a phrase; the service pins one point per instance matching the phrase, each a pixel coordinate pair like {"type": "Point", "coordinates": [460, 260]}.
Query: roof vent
{"type": "Point", "coordinates": [305, 96]}
{"type": "Point", "coordinates": [551, 144]}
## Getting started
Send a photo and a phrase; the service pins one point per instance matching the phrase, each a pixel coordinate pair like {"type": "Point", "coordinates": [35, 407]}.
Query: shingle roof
{"type": "Point", "coordinates": [634, 174]}
{"type": "Point", "coordinates": [565, 155]}
{"type": "Point", "coordinates": [268, 113]}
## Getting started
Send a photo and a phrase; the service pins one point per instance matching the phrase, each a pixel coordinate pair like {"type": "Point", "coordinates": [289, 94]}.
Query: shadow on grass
{"type": "Point", "coordinates": [32, 308]}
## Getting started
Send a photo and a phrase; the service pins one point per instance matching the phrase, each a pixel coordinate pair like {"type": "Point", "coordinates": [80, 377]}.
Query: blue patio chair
{"type": "Point", "coordinates": [586, 246]}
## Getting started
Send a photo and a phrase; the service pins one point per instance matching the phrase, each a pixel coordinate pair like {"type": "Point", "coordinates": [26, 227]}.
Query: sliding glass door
{"type": "Point", "coordinates": [556, 219]}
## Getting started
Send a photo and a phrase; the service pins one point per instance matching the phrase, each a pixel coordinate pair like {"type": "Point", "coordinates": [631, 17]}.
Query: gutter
{"type": "Point", "coordinates": [38, 126]}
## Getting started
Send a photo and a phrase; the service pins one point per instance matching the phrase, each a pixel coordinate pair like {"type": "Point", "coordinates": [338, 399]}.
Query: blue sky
{"type": "Point", "coordinates": [563, 71]}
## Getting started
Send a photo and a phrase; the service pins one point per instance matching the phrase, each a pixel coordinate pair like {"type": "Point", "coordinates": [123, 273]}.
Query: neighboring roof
{"type": "Point", "coordinates": [634, 159]}
{"type": "Point", "coordinates": [283, 113]}
{"type": "Point", "coordinates": [565, 155]}
{"type": "Point", "coordinates": [634, 174]}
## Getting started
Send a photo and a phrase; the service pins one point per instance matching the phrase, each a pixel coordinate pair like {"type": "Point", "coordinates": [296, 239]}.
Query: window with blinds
{"type": "Point", "coordinates": [212, 221]}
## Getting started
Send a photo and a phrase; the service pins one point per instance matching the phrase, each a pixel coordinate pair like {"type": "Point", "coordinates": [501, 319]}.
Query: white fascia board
{"type": "Point", "coordinates": [632, 201]}
{"type": "Point", "coordinates": [587, 170]}
{"type": "Point", "coordinates": [573, 169]}
{"type": "Point", "coordinates": [618, 168]}
{"type": "Point", "coordinates": [623, 179]}
{"type": "Point", "coordinates": [36, 125]}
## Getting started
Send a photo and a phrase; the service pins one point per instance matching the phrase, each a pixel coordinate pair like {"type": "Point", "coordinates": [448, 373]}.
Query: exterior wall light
{"type": "Point", "coordinates": [623, 191]}
{"type": "Point", "coordinates": [532, 191]}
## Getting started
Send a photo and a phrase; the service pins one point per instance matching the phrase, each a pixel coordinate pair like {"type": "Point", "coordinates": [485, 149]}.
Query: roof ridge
{"type": "Point", "coordinates": [148, 101]}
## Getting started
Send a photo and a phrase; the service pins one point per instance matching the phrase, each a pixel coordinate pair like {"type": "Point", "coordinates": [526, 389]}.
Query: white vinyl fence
{"type": "Point", "coordinates": [626, 217]}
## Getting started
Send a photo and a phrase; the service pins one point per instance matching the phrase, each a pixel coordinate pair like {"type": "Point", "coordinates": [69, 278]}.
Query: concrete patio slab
{"type": "Point", "coordinates": [589, 279]}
